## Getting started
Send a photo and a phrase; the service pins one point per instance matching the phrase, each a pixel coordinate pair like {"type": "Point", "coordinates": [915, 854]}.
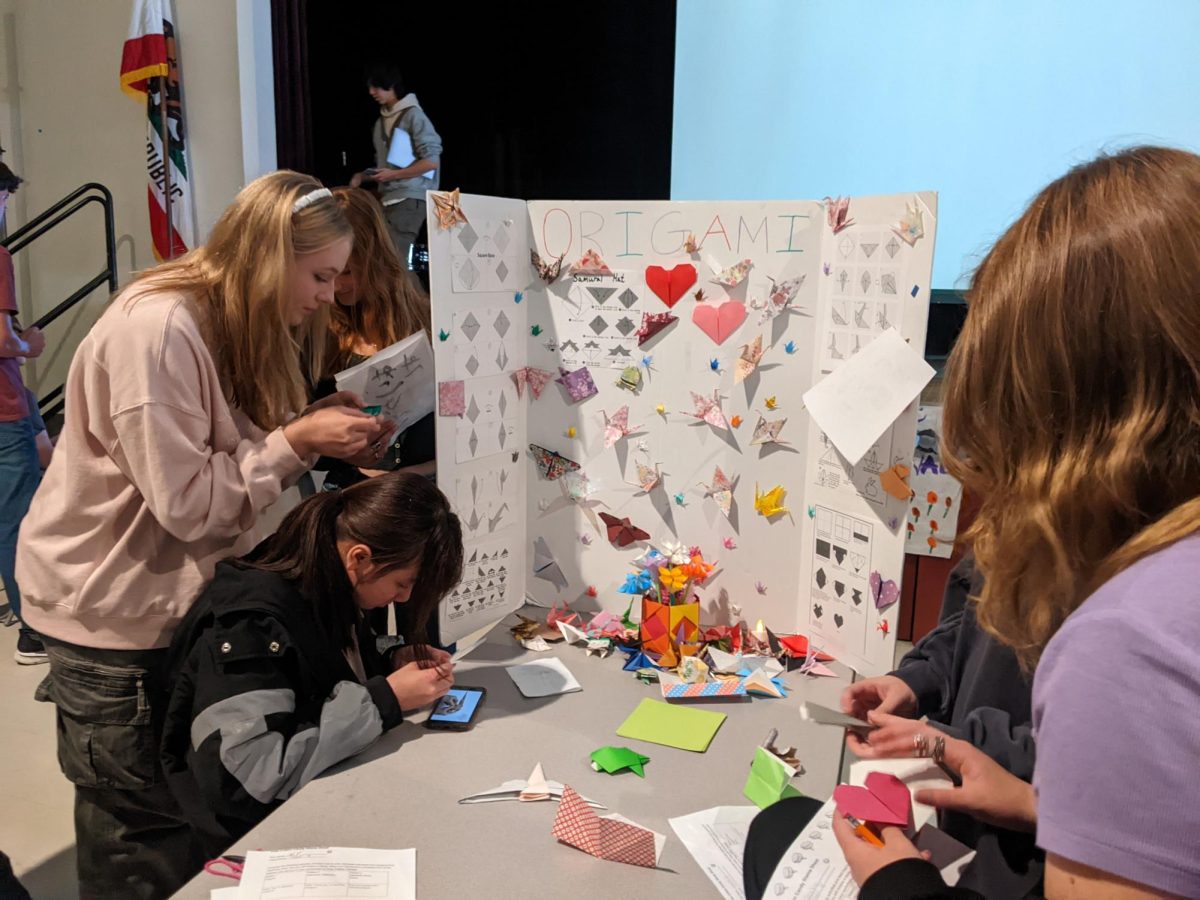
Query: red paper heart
{"type": "Point", "coordinates": [719, 321]}
{"type": "Point", "coordinates": [885, 800]}
{"type": "Point", "coordinates": [670, 286]}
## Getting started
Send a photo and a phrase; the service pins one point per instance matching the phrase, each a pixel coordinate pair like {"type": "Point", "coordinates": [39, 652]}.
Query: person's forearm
{"type": "Point", "coordinates": [413, 170]}
{"type": "Point", "coordinates": [13, 347]}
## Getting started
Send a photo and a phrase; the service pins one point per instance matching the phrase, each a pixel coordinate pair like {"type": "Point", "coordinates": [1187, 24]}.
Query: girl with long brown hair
{"type": "Point", "coordinates": [182, 425]}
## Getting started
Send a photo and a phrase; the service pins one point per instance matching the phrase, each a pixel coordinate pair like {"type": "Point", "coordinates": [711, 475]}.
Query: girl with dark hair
{"type": "Point", "coordinates": [275, 673]}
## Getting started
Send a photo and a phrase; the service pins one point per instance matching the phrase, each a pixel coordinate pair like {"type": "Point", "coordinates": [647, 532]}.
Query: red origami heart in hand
{"type": "Point", "coordinates": [671, 285]}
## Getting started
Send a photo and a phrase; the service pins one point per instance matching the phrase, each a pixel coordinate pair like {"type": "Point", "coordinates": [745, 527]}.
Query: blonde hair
{"type": "Point", "coordinates": [1073, 394]}
{"type": "Point", "coordinates": [391, 305]}
{"type": "Point", "coordinates": [239, 283]}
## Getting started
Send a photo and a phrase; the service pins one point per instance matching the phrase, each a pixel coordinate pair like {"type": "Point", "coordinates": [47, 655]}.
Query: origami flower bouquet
{"type": "Point", "coordinates": [670, 626]}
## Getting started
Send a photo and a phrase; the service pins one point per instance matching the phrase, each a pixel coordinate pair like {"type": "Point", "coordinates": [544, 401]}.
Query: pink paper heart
{"type": "Point", "coordinates": [884, 801]}
{"type": "Point", "coordinates": [721, 320]}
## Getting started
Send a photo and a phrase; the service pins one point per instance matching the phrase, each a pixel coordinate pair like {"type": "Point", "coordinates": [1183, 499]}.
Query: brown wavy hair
{"type": "Point", "coordinates": [390, 304]}
{"type": "Point", "coordinates": [238, 281]}
{"type": "Point", "coordinates": [1073, 394]}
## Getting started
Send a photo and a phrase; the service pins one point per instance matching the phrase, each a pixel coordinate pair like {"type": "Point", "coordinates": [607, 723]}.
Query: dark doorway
{"type": "Point", "coordinates": [532, 100]}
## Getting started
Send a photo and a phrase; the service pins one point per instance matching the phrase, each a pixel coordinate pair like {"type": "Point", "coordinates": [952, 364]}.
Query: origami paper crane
{"type": "Point", "coordinates": [837, 212]}
{"type": "Point", "coordinates": [732, 276]}
{"type": "Point", "coordinates": [648, 478]}
{"type": "Point", "coordinates": [552, 465]}
{"type": "Point", "coordinates": [447, 208]}
{"type": "Point", "coordinates": [622, 532]}
{"type": "Point", "coordinates": [530, 789]}
{"type": "Point", "coordinates": [882, 800]}
{"type": "Point", "coordinates": [812, 664]}
{"type": "Point", "coordinates": [535, 378]}
{"type": "Point", "coordinates": [605, 837]}
{"type": "Point", "coordinates": [548, 272]}
{"type": "Point", "coordinates": [721, 490]}
{"type": "Point", "coordinates": [708, 409]}
{"type": "Point", "coordinates": [910, 228]}
{"type": "Point", "coordinates": [545, 566]}
{"type": "Point", "coordinates": [771, 503]}
{"type": "Point", "coordinates": [578, 383]}
{"type": "Point", "coordinates": [779, 300]}
{"type": "Point", "coordinates": [768, 432]}
{"type": "Point", "coordinates": [590, 264]}
{"type": "Point", "coordinates": [618, 759]}
{"type": "Point", "coordinates": [751, 355]}
{"type": "Point", "coordinates": [652, 324]}
{"type": "Point", "coordinates": [617, 426]}
{"type": "Point", "coordinates": [690, 245]}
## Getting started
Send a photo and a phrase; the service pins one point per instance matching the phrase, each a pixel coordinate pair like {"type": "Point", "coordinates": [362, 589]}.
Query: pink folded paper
{"type": "Point", "coordinates": [451, 398]}
{"type": "Point", "coordinates": [578, 824]}
{"type": "Point", "coordinates": [884, 800]}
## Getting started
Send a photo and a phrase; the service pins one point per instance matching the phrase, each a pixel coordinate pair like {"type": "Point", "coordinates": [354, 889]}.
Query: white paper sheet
{"type": "Point", "coordinates": [398, 378]}
{"type": "Point", "coordinates": [918, 774]}
{"type": "Point", "coordinates": [332, 873]}
{"type": "Point", "coordinates": [857, 402]}
{"type": "Point", "coordinates": [716, 838]}
{"type": "Point", "coordinates": [543, 678]}
{"type": "Point", "coordinates": [400, 152]}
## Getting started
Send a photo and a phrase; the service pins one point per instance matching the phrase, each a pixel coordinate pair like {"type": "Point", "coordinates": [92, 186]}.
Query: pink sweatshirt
{"type": "Point", "coordinates": [153, 481]}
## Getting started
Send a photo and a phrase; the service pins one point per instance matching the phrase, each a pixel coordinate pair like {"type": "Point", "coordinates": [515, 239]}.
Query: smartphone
{"type": "Point", "coordinates": [457, 709]}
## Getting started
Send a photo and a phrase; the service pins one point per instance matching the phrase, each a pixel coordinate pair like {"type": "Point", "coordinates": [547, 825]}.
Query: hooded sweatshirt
{"type": "Point", "coordinates": [408, 116]}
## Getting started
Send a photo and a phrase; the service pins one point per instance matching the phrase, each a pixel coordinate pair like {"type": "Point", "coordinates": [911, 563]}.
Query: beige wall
{"type": "Point", "coordinates": [65, 122]}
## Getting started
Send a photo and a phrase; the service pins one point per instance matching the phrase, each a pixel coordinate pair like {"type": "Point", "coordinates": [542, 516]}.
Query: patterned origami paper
{"type": "Point", "coordinates": [768, 432]}
{"type": "Point", "coordinates": [652, 324]}
{"type": "Point", "coordinates": [618, 840]}
{"type": "Point", "coordinates": [771, 503]}
{"type": "Point", "coordinates": [552, 465]}
{"type": "Point", "coordinates": [621, 531]}
{"type": "Point", "coordinates": [721, 490]}
{"type": "Point", "coordinates": [579, 383]}
{"type": "Point", "coordinates": [447, 207]}
{"type": "Point", "coordinates": [911, 228]}
{"type": "Point", "coordinates": [535, 378]}
{"type": "Point", "coordinates": [590, 264]}
{"type": "Point", "coordinates": [837, 213]}
{"type": "Point", "coordinates": [451, 398]}
{"type": "Point", "coordinates": [617, 426]}
{"type": "Point", "coordinates": [752, 354]}
{"type": "Point", "coordinates": [885, 593]}
{"type": "Point", "coordinates": [732, 276]}
{"type": "Point", "coordinates": [708, 409]}
{"type": "Point", "coordinates": [779, 300]}
{"type": "Point", "coordinates": [547, 271]}
{"type": "Point", "coordinates": [648, 478]}
{"type": "Point", "coordinates": [674, 688]}
{"type": "Point", "coordinates": [545, 566]}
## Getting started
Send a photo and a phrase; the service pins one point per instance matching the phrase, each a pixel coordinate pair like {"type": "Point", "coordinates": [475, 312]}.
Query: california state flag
{"type": "Point", "coordinates": [148, 72]}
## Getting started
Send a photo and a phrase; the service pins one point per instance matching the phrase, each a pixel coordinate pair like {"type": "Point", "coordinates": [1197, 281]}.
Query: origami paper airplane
{"type": "Point", "coordinates": [618, 759]}
{"type": "Point", "coordinates": [752, 354]}
{"type": "Point", "coordinates": [605, 837]}
{"type": "Point", "coordinates": [545, 566]}
{"type": "Point", "coordinates": [530, 789]}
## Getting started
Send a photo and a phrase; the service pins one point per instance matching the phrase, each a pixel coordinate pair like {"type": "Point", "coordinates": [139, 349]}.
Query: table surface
{"type": "Point", "coordinates": [404, 790]}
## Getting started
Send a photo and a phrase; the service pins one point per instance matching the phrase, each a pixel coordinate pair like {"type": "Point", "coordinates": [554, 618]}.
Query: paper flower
{"type": "Point", "coordinates": [676, 553]}
{"type": "Point", "coordinates": [698, 569]}
{"type": "Point", "coordinates": [636, 584]}
{"type": "Point", "coordinates": [674, 578]}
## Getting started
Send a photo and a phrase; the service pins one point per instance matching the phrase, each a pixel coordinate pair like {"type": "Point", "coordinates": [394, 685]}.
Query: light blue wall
{"type": "Point", "coordinates": [981, 101]}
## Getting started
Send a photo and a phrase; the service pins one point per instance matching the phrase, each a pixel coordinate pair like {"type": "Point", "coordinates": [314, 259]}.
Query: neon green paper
{"type": "Point", "coordinates": [770, 780]}
{"type": "Point", "coordinates": [614, 759]}
{"type": "Point", "coordinates": [672, 726]}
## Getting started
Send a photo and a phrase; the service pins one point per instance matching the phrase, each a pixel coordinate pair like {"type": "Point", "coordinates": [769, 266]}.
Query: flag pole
{"type": "Point", "coordinates": [165, 137]}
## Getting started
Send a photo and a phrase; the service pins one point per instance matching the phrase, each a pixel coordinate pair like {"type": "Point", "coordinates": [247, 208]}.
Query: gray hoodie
{"type": "Point", "coordinates": [426, 144]}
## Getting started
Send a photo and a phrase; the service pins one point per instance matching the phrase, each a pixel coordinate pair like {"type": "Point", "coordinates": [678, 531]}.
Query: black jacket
{"type": "Point", "coordinates": [972, 687]}
{"type": "Point", "coordinates": [262, 701]}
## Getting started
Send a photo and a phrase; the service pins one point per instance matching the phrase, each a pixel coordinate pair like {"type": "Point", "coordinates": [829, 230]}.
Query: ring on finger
{"type": "Point", "coordinates": [920, 745]}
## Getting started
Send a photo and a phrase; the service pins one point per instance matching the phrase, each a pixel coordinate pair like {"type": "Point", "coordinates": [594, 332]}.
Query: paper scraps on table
{"type": "Point", "coordinates": [590, 264]}
{"type": "Point", "coordinates": [708, 409]}
{"type": "Point", "coordinates": [648, 478]}
{"type": "Point", "coordinates": [451, 398]}
{"type": "Point", "coordinates": [614, 838]}
{"type": "Point", "coordinates": [621, 532]}
{"type": "Point", "coordinates": [617, 426]}
{"type": "Point", "coordinates": [617, 759]}
{"type": "Point", "coordinates": [669, 285]}
{"type": "Point", "coordinates": [779, 299]}
{"type": "Point", "coordinates": [533, 377]}
{"type": "Point", "coordinates": [447, 206]}
{"type": "Point", "coordinates": [551, 464]}
{"type": "Point", "coordinates": [719, 320]}
{"type": "Point", "coordinates": [721, 490]}
{"type": "Point", "coordinates": [530, 789]}
{"type": "Point", "coordinates": [652, 324]}
{"type": "Point", "coordinates": [862, 397]}
{"type": "Point", "coordinates": [748, 362]}
{"type": "Point", "coordinates": [543, 678]}
{"type": "Point", "coordinates": [578, 383]}
{"type": "Point", "coordinates": [911, 227]}
{"type": "Point", "coordinates": [731, 276]}
{"type": "Point", "coordinates": [837, 213]}
{"type": "Point", "coordinates": [672, 726]}
{"type": "Point", "coordinates": [545, 566]}
{"type": "Point", "coordinates": [884, 593]}
{"type": "Point", "coordinates": [770, 780]}
{"type": "Point", "coordinates": [882, 800]}
{"type": "Point", "coordinates": [767, 432]}
{"type": "Point", "coordinates": [675, 688]}
{"type": "Point", "coordinates": [894, 481]}
{"type": "Point", "coordinates": [571, 634]}
{"type": "Point", "coordinates": [547, 271]}
{"type": "Point", "coordinates": [770, 503]}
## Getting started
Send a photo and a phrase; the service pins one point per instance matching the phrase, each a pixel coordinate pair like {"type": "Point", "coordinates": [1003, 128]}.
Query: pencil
{"type": "Point", "coordinates": [865, 831]}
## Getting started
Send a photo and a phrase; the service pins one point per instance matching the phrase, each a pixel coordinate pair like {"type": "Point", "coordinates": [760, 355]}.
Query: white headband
{"type": "Point", "coordinates": [310, 198]}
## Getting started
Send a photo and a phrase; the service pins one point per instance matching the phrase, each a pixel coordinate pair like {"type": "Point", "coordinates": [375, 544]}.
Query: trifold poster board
{"type": "Point", "coordinates": [823, 280]}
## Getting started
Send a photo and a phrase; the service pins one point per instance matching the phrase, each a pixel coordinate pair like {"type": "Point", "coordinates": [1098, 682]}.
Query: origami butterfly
{"type": "Point", "coordinates": [771, 503]}
{"type": "Point", "coordinates": [768, 432]}
{"type": "Point", "coordinates": [734, 275]}
{"type": "Point", "coordinates": [552, 465]}
{"type": "Point", "coordinates": [548, 272]}
{"type": "Point", "coordinates": [708, 409]}
{"type": "Point", "coordinates": [752, 354]}
{"type": "Point", "coordinates": [885, 593]}
{"type": "Point", "coordinates": [589, 264]}
{"type": "Point", "coordinates": [721, 490]}
{"type": "Point", "coordinates": [621, 532]}
{"type": "Point", "coordinates": [648, 478]}
{"type": "Point", "coordinates": [911, 227]}
{"type": "Point", "coordinates": [617, 426]}
{"type": "Point", "coordinates": [837, 213]}
{"type": "Point", "coordinates": [652, 324]}
{"type": "Point", "coordinates": [536, 378]}
{"type": "Point", "coordinates": [446, 207]}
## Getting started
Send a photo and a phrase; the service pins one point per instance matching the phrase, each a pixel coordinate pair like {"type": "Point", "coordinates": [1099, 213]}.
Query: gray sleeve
{"type": "Point", "coordinates": [992, 731]}
{"type": "Point", "coordinates": [929, 666]}
{"type": "Point", "coordinates": [271, 764]}
{"type": "Point", "coordinates": [426, 142]}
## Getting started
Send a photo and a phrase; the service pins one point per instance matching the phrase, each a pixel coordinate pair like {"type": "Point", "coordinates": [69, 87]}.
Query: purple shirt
{"type": "Point", "coordinates": [1116, 712]}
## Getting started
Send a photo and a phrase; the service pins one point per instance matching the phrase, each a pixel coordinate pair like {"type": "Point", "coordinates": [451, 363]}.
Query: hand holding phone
{"type": "Point", "coordinates": [416, 685]}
